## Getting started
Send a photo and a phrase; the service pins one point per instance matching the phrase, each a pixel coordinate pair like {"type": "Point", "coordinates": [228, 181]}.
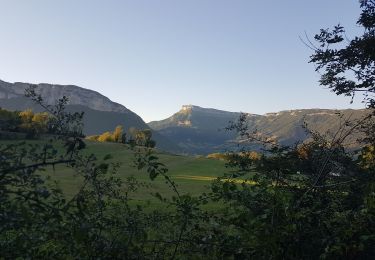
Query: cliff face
{"type": "Point", "coordinates": [51, 92]}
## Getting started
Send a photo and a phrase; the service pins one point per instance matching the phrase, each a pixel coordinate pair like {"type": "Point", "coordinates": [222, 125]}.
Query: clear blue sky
{"type": "Point", "coordinates": [154, 56]}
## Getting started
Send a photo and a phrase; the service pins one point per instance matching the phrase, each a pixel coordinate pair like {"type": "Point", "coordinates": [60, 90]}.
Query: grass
{"type": "Point", "coordinates": [191, 174]}
{"type": "Point", "coordinates": [178, 166]}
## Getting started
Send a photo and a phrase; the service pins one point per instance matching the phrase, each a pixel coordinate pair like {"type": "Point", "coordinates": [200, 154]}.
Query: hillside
{"type": "Point", "coordinates": [200, 130]}
{"type": "Point", "coordinates": [101, 114]}
{"type": "Point", "coordinates": [197, 130]}
{"type": "Point", "coordinates": [196, 117]}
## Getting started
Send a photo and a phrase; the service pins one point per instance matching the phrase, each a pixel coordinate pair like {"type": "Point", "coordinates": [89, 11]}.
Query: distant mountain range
{"type": "Point", "coordinates": [101, 114]}
{"type": "Point", "coordinates": [192, 130]}
{"type": "Point", "coordinates": [201, 130]}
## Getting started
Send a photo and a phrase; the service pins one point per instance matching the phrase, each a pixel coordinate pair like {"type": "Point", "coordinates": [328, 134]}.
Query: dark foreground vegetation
{"type": "Point", "coordinates": [309, 201]}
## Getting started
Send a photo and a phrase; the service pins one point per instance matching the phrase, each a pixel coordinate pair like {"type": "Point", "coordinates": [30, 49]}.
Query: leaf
{"type": "Point", "coordinates": [107, 157]}
{"type": "Point", "coordinates": [153, 174]}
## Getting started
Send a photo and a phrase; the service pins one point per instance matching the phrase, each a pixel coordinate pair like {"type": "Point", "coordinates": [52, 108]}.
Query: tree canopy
{"type": "Point", "coordinates": [348, 66]}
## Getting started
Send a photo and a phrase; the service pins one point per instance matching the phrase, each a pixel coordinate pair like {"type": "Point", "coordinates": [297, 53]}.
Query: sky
{"type": "Point", "coordinates": [153, 56]}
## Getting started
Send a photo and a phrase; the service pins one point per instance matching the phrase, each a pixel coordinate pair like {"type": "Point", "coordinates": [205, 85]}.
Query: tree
{"type": "Point", "coordinates": [350, 69]}
{"type": "Point", "coordinates": [144, 138]}
{"type": "Point", "coordinates": [117, 134]}
{"type": "Point", "coordinates": [26, 118]}
{"type": "Point", "coordinates": [9, 121]}
{"type": "Point", "coordinates": [26, 115]}
{"type": "Point", "coordinates": [40, 122]}
{"type": "Point", "coordinates": [34, 123]}
{"type": "Point", "coordinates": [124, 138]}
{"type": "Point", "coordinates": [106, 137]}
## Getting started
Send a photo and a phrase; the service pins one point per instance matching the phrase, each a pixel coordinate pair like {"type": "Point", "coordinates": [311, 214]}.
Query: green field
{"type": "Point", "coordinates": [192, 174]}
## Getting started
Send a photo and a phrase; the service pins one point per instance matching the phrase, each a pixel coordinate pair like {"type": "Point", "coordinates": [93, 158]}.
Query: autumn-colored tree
{"type": "Point", "coordinates": [106, 137]}
{"type": "Point", "coordinates": [93, 137]}
{"type": "Point", "coordinates": [26, 115]}
{"type": "Point", "coordinates": [26, 121]}
{"type": "Point", "coordinates": [367, 157]}
{"type": "Point", "coordinates": [40, 121]}
{"type": "Point", "coordinates": [40, 118]}
{"type": "Point", "coordinates": [117, 134]}
{"type": "Point", "coordinates": [35, 123]}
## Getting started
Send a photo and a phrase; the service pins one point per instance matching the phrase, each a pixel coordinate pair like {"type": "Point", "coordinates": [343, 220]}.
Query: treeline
{"type": "Point", "coordinates": [34, 124]}
{"type": "Point", "coordinates": [25, 121]}
{"type": "Point", "coordinates": [134, 137]}
{"type": "Point", "coordinates": [252, 155]}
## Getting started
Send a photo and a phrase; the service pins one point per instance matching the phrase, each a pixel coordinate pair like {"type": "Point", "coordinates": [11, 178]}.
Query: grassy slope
{"type": "Point", "coordinates": [179, 166]}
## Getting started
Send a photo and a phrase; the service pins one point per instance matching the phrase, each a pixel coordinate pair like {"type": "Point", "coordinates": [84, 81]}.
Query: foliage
{"type": "Point", "coordinates": [304, 203]}
{"type": "Point", "coordinates": [136, 137]}
{"type": "Point", "coordinates": [141, 138]}
{"type": "Point", "coordinates": [106, 137]}
{"type": "Point", "coordinates": [38, 221]}
{"type": "Point", "coordinates": [117, 134]}
{"type": "Point", "coordinates": [286, 213]}
{"type": "Point", "coordinates": [367, 157]}
{"type": "Point", "coordinates": [34, 123]}
{"type": "Point", "coordinates": [40, 122]}
{"type": "Point", "coordinates": [9, 121]}
{"type": "Point", "coordinates": [25, 121]}
{"type": "Point", "coordinates": [348, 69]}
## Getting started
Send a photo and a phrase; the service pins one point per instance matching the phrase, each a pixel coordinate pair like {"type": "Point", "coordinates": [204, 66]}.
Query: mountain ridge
{"type": "Point", "coordinates": [51, 92]}
{"type": "Point", "coordinates": [183, 116]}
{"type": "Point", "coordinates": [201, 130]}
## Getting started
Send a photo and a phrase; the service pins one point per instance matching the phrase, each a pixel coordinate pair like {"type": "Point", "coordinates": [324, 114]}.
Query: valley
{"type": "Point", "coordinates": [193, 130]}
